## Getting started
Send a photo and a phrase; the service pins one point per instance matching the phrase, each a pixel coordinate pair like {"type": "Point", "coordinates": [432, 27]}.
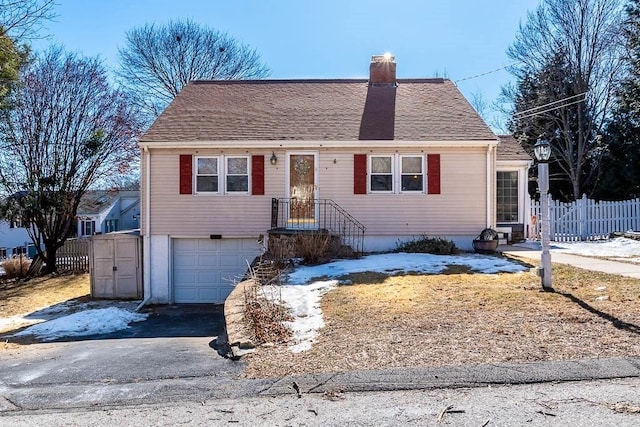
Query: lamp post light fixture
{"type": "Point", "coordinates": [542, 151]}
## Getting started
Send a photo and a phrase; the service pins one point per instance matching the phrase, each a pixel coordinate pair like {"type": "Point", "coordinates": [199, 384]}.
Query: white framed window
{"type": "Point", "coordinates": [88, 227]}
{"type": "Point", "coordinates": [411, 174]}
{"type": "Point", "coordinates": [381, 174]}
{"type": "Point", "coordinates": [207, 176]}
{"type": "Point", "coordinates": [237, 175]}
{"type": "Point", "coordinates": [222, 174]}
{"type": "Point", "coordinates": [507, 189]}
{"type": "Point", "coordinates": [397, 173]}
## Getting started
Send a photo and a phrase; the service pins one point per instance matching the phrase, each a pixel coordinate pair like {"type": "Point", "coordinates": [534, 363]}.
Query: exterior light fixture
{"type": "Point", "coordinates": [273, 159]}
{"type": "Point", "coordinates": [542, 151]}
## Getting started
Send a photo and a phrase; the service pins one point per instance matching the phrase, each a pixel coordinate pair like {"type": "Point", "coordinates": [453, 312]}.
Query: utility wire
{"type": "Point", "coordinates": [487, 73]}
{"type": "Point", "coordinates": [549, 109]}
{"type": "Point", "coordinates": [549, 104]}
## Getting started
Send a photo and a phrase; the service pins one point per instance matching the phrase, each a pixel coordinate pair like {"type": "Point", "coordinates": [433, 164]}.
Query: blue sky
{"type": "Point", "coordinates": [322, 39]}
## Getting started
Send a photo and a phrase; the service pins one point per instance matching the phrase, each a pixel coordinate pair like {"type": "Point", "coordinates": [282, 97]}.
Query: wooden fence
{"type": "Point", "coordinates": [74, 255]}
{"type": "Point", "coordinates": [587, 219]}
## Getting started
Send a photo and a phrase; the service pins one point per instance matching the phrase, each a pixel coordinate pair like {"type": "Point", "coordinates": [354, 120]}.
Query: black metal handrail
{"type": "Point", "coordinates": [318, 214]}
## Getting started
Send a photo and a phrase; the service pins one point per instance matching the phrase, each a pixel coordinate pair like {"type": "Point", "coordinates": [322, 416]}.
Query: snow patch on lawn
{"type": "Point", "coordinates": [83, 323]}
{"type": "Point", "coordinates": [620, 247]}
{"type": "Point", "coordinates": [398, 263]}
{"type": "Point", "coordinates": [303, 303]}
{"type": "Point", "coordinates": [307, 284]}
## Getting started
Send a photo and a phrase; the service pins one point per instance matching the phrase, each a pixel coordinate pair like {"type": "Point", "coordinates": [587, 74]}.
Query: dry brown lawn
{"type": "Point", "coordinates": [439, 320]}
{"type": "Point", "coordinates": [21, 298]}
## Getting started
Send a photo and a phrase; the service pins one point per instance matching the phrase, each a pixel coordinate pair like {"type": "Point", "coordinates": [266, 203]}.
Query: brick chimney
{"type": "Point", "coordinates": [382, 71]}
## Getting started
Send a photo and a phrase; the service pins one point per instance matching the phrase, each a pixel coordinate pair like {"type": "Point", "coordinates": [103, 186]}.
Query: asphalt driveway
{"type": "Point", "coordinates": [167, 321]}
{"type": "Point", "coordinates": [175, 342]}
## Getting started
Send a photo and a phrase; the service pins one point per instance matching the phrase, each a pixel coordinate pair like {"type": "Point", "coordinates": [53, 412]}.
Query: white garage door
{"type": "Point", "coordinates": [205, 270]}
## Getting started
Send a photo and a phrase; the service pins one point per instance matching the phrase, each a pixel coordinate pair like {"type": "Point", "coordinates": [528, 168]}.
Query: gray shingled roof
{"type": "Point", "coordinates": [319, 110]}
{"type": "Point", "coordinates": [95, 201]}
{"type": "Point", "coordinates": [510, 149]}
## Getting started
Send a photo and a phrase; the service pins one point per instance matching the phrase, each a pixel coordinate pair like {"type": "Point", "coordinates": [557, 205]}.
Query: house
{"type": "Point", "coordinates": [105, 211]}
{"type": "Point", "coordinates": [375, 160]}
{"type": "Point", "coordinates": [99, 211]}
{"type": "Point", "coordinates": [14, 239]}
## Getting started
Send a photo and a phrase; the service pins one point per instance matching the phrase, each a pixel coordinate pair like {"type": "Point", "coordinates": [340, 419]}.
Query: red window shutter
{"type": "Point", "coordinates": [433, 173]}
{"type": "Point", "coordinates": [186, 174]}
{"type": "Point", "coordinates": [359, 174]}
{"type": "Point", "coordinates": [257, 175]}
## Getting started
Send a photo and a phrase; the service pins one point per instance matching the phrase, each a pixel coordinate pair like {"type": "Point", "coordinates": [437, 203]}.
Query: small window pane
{"type": "Point", "coordinates": [381, 183]}
{"type": "Point", "coordinates": [207, 183]}
{"type": "Point", "coordinates": [238, 183]}
{"type": "Point", "coordinates": [237, 166]}
{"type": "Point", "coordinates": [412, 165]}
{"type": "Point", "coordinates": [411, 182]}
{"type": "Point", "coordinates": [207, 166]}
{"type": "Point", "coordinates": [381, 165]}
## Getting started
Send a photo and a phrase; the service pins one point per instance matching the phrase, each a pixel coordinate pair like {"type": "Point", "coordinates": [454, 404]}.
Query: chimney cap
{"type": "Point", "coordinates": [387, 57]}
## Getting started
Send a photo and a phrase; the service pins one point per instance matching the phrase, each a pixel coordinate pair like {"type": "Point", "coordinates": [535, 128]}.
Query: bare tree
{"type": "Point", "coordinates": [580, 43]}
{"type": "Point", "coordinates": [67, 128]}
{"type": "Point", "coordinates": [159, 60]}
{"type": "Point", "coordinates": [23, 18]}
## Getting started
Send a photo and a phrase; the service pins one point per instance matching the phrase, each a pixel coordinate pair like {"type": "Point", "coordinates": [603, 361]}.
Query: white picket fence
{"type": "Point", "coordinates": [586, 219]}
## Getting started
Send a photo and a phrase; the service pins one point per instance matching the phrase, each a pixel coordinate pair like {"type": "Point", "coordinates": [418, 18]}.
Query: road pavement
{"type": "Point", "coordinates": [612, 403]}
{"type": "Point", "coordinates": [168, 370]}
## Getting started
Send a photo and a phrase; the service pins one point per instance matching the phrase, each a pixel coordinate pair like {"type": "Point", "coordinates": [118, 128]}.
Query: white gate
{"type": "Point", "coordinates": [586, 219]}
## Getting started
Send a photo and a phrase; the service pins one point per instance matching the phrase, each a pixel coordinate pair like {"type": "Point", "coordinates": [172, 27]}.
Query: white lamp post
{"type": "Point", "coordinates": [542, 150]}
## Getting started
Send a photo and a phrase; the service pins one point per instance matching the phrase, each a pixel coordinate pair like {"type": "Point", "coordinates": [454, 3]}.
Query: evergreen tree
{"type": "Point", "coordinates": [11, 58]}
{"type": "Point", "coordinates": [621, 166]}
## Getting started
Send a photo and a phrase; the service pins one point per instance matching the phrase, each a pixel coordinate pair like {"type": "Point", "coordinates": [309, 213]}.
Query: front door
{"type": "Point", "coordinates": [303, 187]}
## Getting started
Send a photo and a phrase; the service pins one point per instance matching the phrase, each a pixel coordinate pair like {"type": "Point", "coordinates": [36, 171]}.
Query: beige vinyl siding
{"type": "Point", "coordinates": [460, 209]}
{"type": "Point", "coordinates": [232, 215]}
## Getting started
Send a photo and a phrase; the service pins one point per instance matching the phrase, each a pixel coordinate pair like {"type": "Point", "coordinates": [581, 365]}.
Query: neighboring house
{"type": "Point", "coordinates": [105, 211]}
{"type": "Point", "coordinates": [14, 239]}
{"type": "Point", "coordinates": [228, 161]}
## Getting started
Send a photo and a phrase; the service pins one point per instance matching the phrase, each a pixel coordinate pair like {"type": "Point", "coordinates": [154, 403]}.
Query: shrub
{"type": "Point", "coordinates": [16, 267]}
{"type": "Point", "coordinates": [264, 311]}
{"type": "Point", "coordinates": [315, 247]}
{"type": "Point", "coordinates": [428, 245]}
{"type": "Point", "coordinates": [310, 246]}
